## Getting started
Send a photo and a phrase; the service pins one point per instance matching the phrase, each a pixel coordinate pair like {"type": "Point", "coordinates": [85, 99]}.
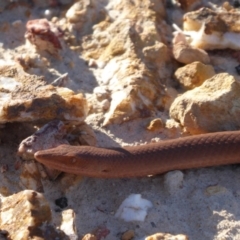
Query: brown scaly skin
{"type": "Point", "coordinates": [205, 150]}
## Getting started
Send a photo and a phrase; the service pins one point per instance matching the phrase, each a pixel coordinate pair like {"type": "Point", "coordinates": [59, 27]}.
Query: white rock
{"type": "Point", "coordinates": [17, 23]}
{"type": "Point", "coordinates": [101, 92]}
{"type": "Point", "coordinates": [68, 222]}
{"type": "Point", "coordinates": [173, 180]}
{"type": "Point", "coordinates": [133, 208]}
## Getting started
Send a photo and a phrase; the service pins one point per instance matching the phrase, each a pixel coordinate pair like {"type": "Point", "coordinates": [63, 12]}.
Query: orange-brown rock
{"type": "Point", "coordinates": [194, 74]}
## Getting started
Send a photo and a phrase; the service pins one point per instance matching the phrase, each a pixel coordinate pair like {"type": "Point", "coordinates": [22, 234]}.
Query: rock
{"type": "Point", "coordinates": [49, 136]}
{"type": "Point", "coordinates": [128, 235]}
{"type": "Point", "coordinates": [44, 35]}
{"type": "Point", "coordinates": [89, 236]}
{"type": "Point", "coordinates": [30, 61]}
{"type": "Point", "coordinates": [23, 214]}
{"type": "Point", "coordinates": [184, 53]}
{"type": "Point", "coordinates": [189, 4]}
{"type": "Point", "coordinates": [101, 232]}
{"type": "Point", "coordinates": [134, 57]}
{"type": "Point", "coordinates": [62, 202]}
{"type": "Point", "coordinates": [133, 208]}
{"type": "Point", "coordinates": [81, 134]}
{"type": "Point", "coordinates": [25, 98]}
{"type": "Point", "coordinates": [194, 74]}
{"type": "Point", "coordinates": [30, 177]}
{"type": "Point", "coordinates": [68, 224]}
{"type": "Point", "coordinates": [210, 29]}
{"type": "Point", "coordinates": [81, 14]}
{"type": "Point", "coordinates": [167, 236]}
{"type": "Point", "coordinates": [212, 107]}
{"type": "Point", "coordinates": [213, 190]}
{"type": "Point", "coordinates": [173, 181]}
{"type": "Point", "coordinates": [173, 128]}
{"type": "Point", "coordinates": [155, 125]}
{"type": "Point", "coordinates": [157, 52]}
{"type": "Point", "coordinates": [101, 93]}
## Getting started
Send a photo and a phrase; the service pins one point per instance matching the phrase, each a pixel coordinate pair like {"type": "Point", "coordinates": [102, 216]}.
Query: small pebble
{"type": "Point", "coordinates": [128, 235]}
{"type": "Point", "coordinates": [61, 202]}
{"type": "Point", "coordinates": [155, 125]}
{"type": "Point", "coordinates": [89, 236]}
{"type": "Point", "coordinates": [17, 23]}
{"type": "Point", "coordinates": [173, 180]}
{"type": "Point", "coordinates": [214, 190]}
{"type": "Point", "coordinates": [105, 104]}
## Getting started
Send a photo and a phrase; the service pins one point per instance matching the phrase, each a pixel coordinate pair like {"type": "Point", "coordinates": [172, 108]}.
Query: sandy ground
{"type": "Point", "coordinates": [194, 209]}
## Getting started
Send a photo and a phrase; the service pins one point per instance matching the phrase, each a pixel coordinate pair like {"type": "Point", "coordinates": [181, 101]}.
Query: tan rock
{"type": "Point", "coordinates": [194, 74]}
{"type": "Point", "coordinates": [173, 128]}
{"type": "Point", "coordinates": [128, 235]}
{"type": "Point", "coordinates": [30, 177]}
{"type": "Point", "coordinates": [157, 52]}
{"type": "Point", "coordinates": [214, 190]}
{"type": "Point", "coordinates": [28, 98]}
{"type": "Point", "coordinates": [81, 12]}
{"type": "Point", "coordinates": [82, 134]}
{"type": "Point", "coordinates": [127, 47]}
{"type": "Point", "coordinates": [214, 106]}
{"type": "Point", "coordinates": [184, 53]}
{"type": "Point", "coordinates": [167, 236]}
{"type": "Point", "coordinates": [89, 236]}
{"type": "Point", "coordinates": [155, 125]}
{"type": "Point", "coordinates": [23, 213]}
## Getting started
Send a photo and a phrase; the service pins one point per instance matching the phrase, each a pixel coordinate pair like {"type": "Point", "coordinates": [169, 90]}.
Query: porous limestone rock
{"type": "Point", "coordinates": [211, 29]}
{"type": "Point", "coordinates": [184, 53]}
{"type": "Point", "coordinates": [81, 12]}
{"type": "Point", "coordinates": [194, 74]}
{"type": "Point", "coordinates": [214, 106]}
{"type": "Point", "coordinates": [167, 236]}
{"type": "Point", "coordinates": [26, 97]}
{"type": "Point", "coordinates": [23, 213]}
{"type": "Point", "coordinates": [131, 49]}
